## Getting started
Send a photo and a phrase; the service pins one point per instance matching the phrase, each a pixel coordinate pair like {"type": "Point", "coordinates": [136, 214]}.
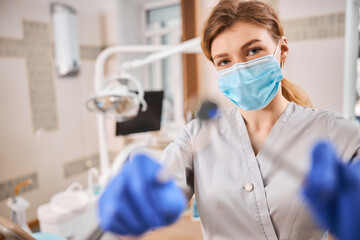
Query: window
{"type": "Point", "coordinates": [162, 26]}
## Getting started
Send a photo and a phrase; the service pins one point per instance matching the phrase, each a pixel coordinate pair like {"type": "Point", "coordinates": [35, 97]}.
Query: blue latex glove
{"type": "Point", "coordinates": [332, 191]}
{"type": "Point", "coordinates": [135, 201]}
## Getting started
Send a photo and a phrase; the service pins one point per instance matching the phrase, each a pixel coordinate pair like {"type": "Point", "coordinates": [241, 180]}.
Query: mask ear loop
{"type": "Point", "coordinates": [282, 63]}
{"type": "Point", "coordinates": [277, 47]}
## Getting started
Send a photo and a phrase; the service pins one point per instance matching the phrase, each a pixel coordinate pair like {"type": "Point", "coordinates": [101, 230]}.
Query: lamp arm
{"type": "Point", "coordinates": [182, 47]}
{"type": "Point", "coordinates": [106, 53]}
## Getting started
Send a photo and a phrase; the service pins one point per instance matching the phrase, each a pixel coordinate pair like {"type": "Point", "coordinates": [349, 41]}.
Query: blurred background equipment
{"type": "Point", "coordinates": [65, 32]}
{"type": "Point", "coordinates": [144, 121]}
{"type": "Point", "coordinates": [116, 100]}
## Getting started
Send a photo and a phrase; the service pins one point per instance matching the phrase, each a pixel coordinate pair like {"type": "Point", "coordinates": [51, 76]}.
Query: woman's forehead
{"type": "Point", "coordinates": [239, 34]}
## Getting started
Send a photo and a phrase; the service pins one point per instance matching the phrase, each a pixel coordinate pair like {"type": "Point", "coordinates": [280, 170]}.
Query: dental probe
{"type": "Point", "coordinates": [207, 112]}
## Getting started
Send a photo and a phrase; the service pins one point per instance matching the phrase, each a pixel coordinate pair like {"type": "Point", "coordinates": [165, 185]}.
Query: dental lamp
{"type": "Point", "coordinates": [114, 99]}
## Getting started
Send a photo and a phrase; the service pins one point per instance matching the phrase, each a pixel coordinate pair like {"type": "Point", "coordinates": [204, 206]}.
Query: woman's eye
{"type": "Point", "coordinates": [253, 51]}
{"type": "Point", "coordinates": [223, 62]}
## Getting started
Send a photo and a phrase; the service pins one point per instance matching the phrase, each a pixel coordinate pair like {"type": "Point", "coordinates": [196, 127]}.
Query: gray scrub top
{"type": "Point", "coordinates": [243, 196]}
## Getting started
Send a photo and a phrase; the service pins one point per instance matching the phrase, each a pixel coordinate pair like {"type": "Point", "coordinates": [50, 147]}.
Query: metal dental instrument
{"type": "Point", "coordinates": [207, 112]}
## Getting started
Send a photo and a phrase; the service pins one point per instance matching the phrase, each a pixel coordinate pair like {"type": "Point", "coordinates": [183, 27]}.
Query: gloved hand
{"type": "Point", "coordinates": [332, 191]}
{"type": "Point", "coordinates": [135, 201]}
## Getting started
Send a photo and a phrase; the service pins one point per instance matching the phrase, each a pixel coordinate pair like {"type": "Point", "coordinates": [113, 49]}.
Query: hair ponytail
{"type": "Point", "coordinates": [294, 93]}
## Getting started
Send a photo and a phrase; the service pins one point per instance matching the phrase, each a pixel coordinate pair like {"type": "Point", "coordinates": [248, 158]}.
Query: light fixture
{"type": "Point", "coordinates": [116, 100]}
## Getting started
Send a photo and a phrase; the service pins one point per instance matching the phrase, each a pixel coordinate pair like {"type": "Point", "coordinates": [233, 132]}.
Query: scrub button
{"type": "Point", "coordinates": [249, 187]}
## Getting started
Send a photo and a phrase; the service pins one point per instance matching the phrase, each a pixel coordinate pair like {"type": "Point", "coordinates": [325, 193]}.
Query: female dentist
{"type": "Point", "coordinates": [233, 164]}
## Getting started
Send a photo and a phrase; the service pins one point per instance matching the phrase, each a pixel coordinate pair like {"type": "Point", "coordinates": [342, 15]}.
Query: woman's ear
{"type": "Point", "coordinates": [284, 49]}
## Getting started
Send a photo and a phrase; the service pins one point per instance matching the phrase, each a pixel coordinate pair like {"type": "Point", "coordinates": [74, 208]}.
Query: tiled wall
{"type": "Point", "coordinates": [39, 63]}
{"type": "Point", "coordinates": [36, 49]}
{"type": "Point", "coordinates": [7, 187]}
{"type": "Point", "coordinates": [84, 163]}
{"type": "Point", "coordinates": [315, 27]}
{"type": "Point", "coordinates": [12, 48]}
{"type": "Point", "coordinates": [46, 134]}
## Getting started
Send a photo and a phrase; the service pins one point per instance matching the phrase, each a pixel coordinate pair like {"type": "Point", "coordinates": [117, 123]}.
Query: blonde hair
{"type": "Point", "coordinates": [228, 12]}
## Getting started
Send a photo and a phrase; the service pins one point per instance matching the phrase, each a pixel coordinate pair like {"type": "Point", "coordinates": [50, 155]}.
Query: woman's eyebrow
{"type": "Point", "coordinates": [243, 48]}
{"type": "Point", "coordinates": [249, 43]}
{"type": "Point", "coordinates": [220, 55]}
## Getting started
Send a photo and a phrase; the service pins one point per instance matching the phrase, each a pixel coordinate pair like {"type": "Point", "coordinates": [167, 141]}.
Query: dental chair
{"type": "Point", "coordinates": [12, 231]}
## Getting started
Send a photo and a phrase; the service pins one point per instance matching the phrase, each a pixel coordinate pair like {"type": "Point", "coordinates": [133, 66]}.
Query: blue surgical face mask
{"type": "Point", "coordinates": [252, 85]}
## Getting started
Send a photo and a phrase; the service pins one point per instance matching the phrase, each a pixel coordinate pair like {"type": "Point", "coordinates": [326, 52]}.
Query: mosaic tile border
{"type": "Point", "coordinates": [315, 27]}
{"type": "Point", "coordinates": [7, 187]}
{"type": "Point", "coordinates": [83, 164]}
